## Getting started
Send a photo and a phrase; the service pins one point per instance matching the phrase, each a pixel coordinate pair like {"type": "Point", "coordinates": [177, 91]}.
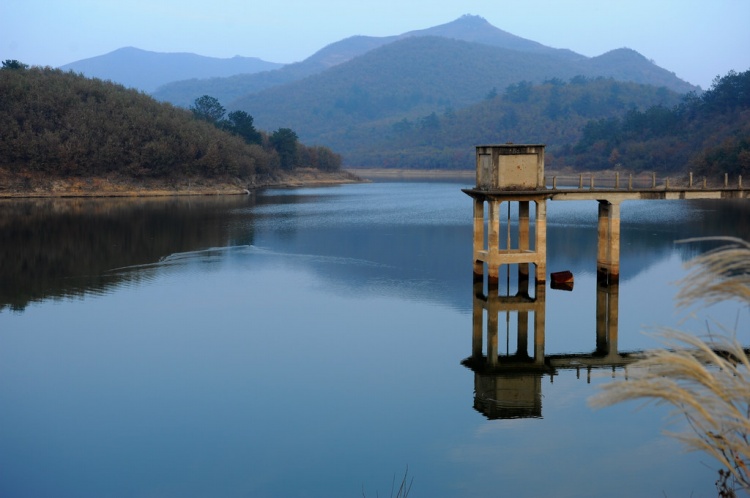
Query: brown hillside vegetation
{"type": "Point", "coordinates": [708, 134]}
{"type": "Point", "coordinates": [66, 134]}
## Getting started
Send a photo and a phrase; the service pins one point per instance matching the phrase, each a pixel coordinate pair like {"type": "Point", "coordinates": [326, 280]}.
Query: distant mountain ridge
{"type": "Point", "coordinates": [477, 29]}
{"type": "Point", "coordinates": [468, 28]}
{"type": "Point", "coordinates": [412, 77]}
{"type": "Point", "coordinates": [179, 78]}
{"type": "Point", "coordinates": [351, 94]}
{"type": "Point", "coordinates": [146, 71]}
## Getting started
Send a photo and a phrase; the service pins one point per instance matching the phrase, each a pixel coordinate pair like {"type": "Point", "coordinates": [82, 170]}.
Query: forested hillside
{"type": "Point", "coordinates": [554, 112]}
{"type": "Point", "coordinates": [228, 89]}
{"type": "Point", "coordinates": [409, 79]}
{"type": "Point", "coordinates": [707, 134]}
{"type": "Point", "coordinates": [60, 125]}
{"type": "Point", "coordinates": [424, 98]}
{"type": "Point", "coordinates": [466, 28]}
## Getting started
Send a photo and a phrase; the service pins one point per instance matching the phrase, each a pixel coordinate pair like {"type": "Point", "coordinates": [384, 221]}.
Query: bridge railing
{"type": "Point", "coordinates": [641, 181]}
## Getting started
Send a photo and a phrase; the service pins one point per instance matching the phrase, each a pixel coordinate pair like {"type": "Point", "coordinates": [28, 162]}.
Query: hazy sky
{"type": "Point", "coordinates": [697, 40]}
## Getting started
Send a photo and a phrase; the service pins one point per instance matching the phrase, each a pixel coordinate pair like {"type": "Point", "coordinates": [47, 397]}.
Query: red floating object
{"type": "Point", "coordinates": [562, 280]}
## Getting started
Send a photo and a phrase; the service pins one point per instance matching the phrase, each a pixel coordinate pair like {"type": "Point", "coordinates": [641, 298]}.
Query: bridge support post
{"type": "Point", "coordinates": [493, 238]}
{"type": "Point", "coordinates": [523, 241]}
{"type": "Point", "coordinates": [487, 308]}
{"type": "Point", "coordinates": [507, 383]}
{"type": "Point", "coordinates": [607, 305]}
{"type": "Point", "coordinates": [492, 326]}
{"type": "Point", "coordinates": [539, 324]}
{"type": "Point", "coordinates": [540, 244]}
{"type": "Point", "coordinates": [518, 248]}
{"type": "Point", "coordinates": [478, 238]}
{"type": "Point", "coordinates": [608, 253]}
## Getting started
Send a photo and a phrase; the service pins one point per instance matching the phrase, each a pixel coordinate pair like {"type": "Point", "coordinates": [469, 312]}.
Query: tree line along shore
{"type": "Point", "coordinates": [64, 134]}
{"type": "Point", "coordinates": [67, 135]}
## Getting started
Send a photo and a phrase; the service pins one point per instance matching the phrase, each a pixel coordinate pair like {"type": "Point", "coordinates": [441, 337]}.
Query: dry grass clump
{"type": "Point", "coordinates": [403, 489]}
{"type": "Point", "coordinates": [706, 379]}
{"type": "Point", "coordinates": [722, 274]}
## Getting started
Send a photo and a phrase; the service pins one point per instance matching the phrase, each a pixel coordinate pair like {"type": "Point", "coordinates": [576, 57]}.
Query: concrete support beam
{"type": "Point", "coordinates": [478, 236]}
{"type": "Point", "coordinates": [487, 247]}
{"type": "Point", "coordinates": [607, 316]}
{"type": "Point", "coordinates": [490, 307]}
{"type": "Point", "coordinates": [493, 237]}
{"type": "Point", "coordinates": [523, 242]}
{"type": "Point", "coordinates": [492, 328]}
{"type": "Point", "coordinates": [477, 336]}
{"type": "Point", "coordinates": [540, 242]}
{"type": "Point", "coordinates": [539, 324]}
{"type": "Point", "coordinates": [522, 346]}
{"type": "Point", "coordinates": [608, 253]}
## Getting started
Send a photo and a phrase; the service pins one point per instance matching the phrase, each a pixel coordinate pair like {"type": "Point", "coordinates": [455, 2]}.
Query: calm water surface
{"type": "Point", "coordinates": [310, 343]}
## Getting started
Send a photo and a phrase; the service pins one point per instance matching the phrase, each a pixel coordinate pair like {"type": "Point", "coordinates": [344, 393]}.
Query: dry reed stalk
{"type": "Point", "coordinates": [706, 379]}
{"type": "Point", "coordinates": [721, 274]}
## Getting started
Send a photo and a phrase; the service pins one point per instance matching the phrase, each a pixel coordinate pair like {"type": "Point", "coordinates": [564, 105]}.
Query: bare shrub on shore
{"type": "Point", "coordinates": [706, 379]}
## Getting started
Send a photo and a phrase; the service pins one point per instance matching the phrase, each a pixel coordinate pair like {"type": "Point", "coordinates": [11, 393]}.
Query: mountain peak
{"type": "Point", "coordinates": [469, 22]}
{"type": "Point", "coordinates": [471, 19]}
{"type": "Point", "coordinates": [477, 29]}
{"type": "Point", "coordinates": [624, 52]}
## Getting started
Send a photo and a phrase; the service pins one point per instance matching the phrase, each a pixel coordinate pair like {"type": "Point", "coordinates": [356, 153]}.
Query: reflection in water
{"type": "Point", "coordinates": [509, 385]}
{"type": "Point", "coordinates": [57, 248]}
{"type": "Point", "coordinates": [53, 248]}
{"type": "Point", "coordinates": [129, 392]}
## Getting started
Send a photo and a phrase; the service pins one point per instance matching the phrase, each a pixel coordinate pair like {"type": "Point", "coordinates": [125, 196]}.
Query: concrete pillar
{"type": "Point", "coordinates": [539, 323]}
{"type": "Point", "coordinates": [493, 239]}
{"type": "Point", "coordinates": [602, 344]}
{"type": "Point", "coordinates": [614, 243]}
{"type": "Point", "coordinates": [523, 316]}
{"type": "Point", "coordinates": [613, 306]}
{"type": "Point", "coordinates": [608, 247]}
{"type": "Point", "coordinates": [477, 321]}
{"type": "Point", "coordinates": [523, 333]}
{"type": "Point", "coordinates": [540, 242]}
{"type": "Point", "coordinates": [478, 237]}
{"type": "Point", "coordinates": [508, 240]}
{"type": "Point", "coordinates": [602, 236]}
{"type": "Point", "coordinates": [523, 241]}
{"type": "Point", "coordinates": [607, 316]}
{"type": "Point", "coordinates": [492, 324]}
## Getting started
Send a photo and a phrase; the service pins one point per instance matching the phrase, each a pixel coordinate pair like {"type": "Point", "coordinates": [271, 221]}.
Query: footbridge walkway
{"type": "Point", "coordinates": [515, 174]}
{"type": "Point", "coordinates": [509, 385]}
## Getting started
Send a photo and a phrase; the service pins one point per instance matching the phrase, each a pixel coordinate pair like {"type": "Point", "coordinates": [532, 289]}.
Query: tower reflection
{"type": "Point", "coordinates": [508, 384]}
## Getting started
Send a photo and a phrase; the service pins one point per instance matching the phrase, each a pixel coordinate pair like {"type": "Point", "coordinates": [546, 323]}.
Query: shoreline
{"type": "Point", "coordinates": [383, 173]}
{"type": "Point", "coordinates": [26, 187]}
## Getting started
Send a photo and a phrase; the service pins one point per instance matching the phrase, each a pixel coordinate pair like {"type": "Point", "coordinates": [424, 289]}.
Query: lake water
{"type": "Point", "coordinates": [310, 342]}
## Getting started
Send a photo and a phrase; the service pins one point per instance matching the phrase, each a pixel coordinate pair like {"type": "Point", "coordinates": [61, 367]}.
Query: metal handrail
{"type": "Point", "coordinates": [590, 181]}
